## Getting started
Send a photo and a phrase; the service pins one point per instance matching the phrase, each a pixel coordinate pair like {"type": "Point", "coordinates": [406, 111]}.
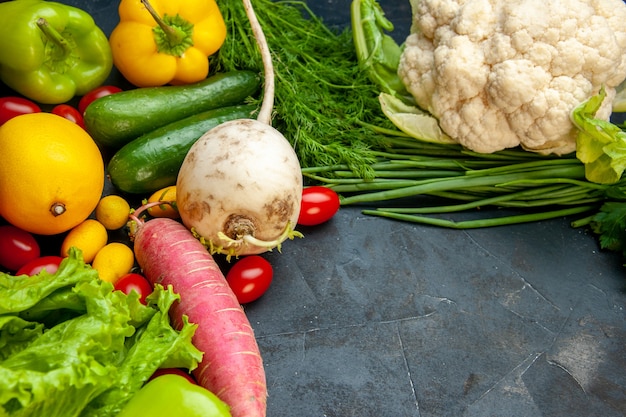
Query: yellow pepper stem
{"type": "Point", "coordinates": [175, 36]}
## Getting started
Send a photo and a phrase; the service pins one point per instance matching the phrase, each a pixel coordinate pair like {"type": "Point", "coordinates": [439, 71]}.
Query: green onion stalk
{"type": "Point", "coordinates": [457, 181]}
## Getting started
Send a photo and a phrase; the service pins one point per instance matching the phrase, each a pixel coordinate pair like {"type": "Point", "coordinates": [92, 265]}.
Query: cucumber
{"type": "Point", "coordinates": [152, 161]}
{"type": "Point", "coordinates": [116, 119]}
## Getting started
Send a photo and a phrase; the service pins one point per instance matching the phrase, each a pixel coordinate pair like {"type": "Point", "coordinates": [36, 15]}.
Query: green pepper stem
{"type": "Point", "coordinates": [54, 35]}
{"type": "Point", "coordinates": [174, 35]}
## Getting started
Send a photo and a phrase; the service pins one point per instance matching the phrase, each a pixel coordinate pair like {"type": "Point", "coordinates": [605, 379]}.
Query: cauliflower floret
{"type": "Point", "coordinates": [502, 73]}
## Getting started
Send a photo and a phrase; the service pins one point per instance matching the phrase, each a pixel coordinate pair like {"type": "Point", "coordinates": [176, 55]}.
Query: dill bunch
{"type": "Point", "coordinates": [322, 97]}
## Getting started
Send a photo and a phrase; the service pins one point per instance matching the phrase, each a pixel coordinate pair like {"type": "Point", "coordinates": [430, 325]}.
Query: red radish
{"type": "Point", "coordinates": [232, 367]}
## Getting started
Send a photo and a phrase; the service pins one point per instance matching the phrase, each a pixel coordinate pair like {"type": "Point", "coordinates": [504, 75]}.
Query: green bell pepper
{"type": "Point", "coordinates": [172, 395]}
{"type": "Point", "coordinates": [51, 52]}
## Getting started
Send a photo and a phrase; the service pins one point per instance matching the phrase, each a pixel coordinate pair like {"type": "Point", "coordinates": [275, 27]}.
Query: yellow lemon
{"type": "Point", "coordinates": [164, 210]}
{"type": "Point", "coordinates": [112, 211]}
{"type": "Point", "coordinates": [113, 261]}
{"type": "Point", "coordinates": [90, 236]}
{"type": "Point", "coordinates": [51, 175]}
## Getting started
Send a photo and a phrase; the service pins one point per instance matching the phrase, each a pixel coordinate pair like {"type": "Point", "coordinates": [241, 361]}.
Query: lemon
{"type": "Point", "coordinates": [164, 210]}
{"type": "Point", "coordinates": [90, 236]}
{"type": "Point", "coordinates": [113, 261]}
{"type": "Point", "coordinates": [112, 211]}
{"type": "Point", "coordinates": [51, 175]}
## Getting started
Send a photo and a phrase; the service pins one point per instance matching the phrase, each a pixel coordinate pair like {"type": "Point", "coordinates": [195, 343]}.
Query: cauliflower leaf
{"type": "Point", "coordinates": [412, 120]}
{"type": "Point", "coordinates": [600, 144]}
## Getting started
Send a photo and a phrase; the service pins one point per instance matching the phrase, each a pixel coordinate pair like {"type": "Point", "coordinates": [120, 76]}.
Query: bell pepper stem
{"type": "Point", "coordinates": [54, 35]}
{"type": "Point", "coordinates": [174, 35]}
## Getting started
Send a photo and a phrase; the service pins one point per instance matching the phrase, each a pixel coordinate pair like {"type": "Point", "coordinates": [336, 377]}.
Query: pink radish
{"type": "Point", "coordinates": [232, 367]}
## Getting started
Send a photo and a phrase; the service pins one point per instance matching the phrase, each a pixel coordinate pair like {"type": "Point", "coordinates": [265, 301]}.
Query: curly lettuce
{"type": "Point", "coordinates": [72, 346]}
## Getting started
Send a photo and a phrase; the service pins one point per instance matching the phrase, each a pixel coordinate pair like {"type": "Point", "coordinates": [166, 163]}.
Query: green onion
{"type": "Point", "coordinates": [544, 187]}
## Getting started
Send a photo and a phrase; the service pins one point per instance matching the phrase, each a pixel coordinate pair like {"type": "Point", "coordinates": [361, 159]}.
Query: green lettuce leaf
{"type": "Point", "coordinates": [16, 333]}
{"type": "Point", "coordinates": [23, 292]}
{"type": "Point", "coordinates": [600, 144]}
{"type": "Point", "coordinates": [71, 346]}
{"type": "Point", "coordinates": [155, 345]}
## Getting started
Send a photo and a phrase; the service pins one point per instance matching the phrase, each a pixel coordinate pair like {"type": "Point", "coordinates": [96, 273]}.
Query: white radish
{"type": "Point", "coordinates": [240, 186]}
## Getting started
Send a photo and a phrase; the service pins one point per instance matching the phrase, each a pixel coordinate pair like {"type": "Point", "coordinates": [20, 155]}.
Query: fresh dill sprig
{"type": "Point", "coordinates": [322, 97]}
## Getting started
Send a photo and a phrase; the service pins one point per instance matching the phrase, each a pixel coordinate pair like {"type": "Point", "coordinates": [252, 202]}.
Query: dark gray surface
{"type": "Point", "coordinates": [371, 317]}
{"type": "Point", "coordinates": [379, 318]}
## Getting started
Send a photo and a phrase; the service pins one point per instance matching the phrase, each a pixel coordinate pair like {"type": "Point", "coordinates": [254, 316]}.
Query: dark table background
{"type": "Point", "coordinates": [369, 317]}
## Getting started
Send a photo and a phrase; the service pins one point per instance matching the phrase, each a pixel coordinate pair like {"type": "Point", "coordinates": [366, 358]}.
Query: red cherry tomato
{"type": "Point", "coordinates": [14, 106]}
{"type": "Point", "coordinates": [250, 277]}
{"type": "Point", "coordinates": [70, 113]}
{"type": "Point", "coordinates": [134, 282]}
{"type": "Point", "coordinates": [49, 263]}
{"type": "Point", "coordinates": [17, 247]}
{"type": "Point", "coordinates": [175, 371]}
{"type": "Point", "coordinates": [101, 91]}
{"type": "Point", "coordinates": [319, 204]}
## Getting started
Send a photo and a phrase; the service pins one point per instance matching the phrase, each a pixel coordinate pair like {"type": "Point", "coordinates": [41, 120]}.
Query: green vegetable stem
{"type": "Point", "coordinates": [457, 180]}
{"type": "Point", "coordinates": [51, 59]}
{"type": "Point", "coordinates": [377, 52]}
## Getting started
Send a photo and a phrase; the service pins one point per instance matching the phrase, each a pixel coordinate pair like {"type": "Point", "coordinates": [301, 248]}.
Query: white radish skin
{"type": "Point", "coordinates": [240, 188]}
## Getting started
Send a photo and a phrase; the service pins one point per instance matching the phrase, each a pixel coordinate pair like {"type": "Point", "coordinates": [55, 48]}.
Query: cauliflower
{"type": "Point", "coordinates": [503, 73]}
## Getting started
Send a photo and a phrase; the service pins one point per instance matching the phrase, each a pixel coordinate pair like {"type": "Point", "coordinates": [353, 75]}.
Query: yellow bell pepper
{"type": "Point", "coordinates": [166, 41]}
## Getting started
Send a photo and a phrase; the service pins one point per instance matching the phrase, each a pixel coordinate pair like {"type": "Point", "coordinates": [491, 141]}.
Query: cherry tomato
{"type": "Point", "coordinates": [70, 113]}
{"type": "Point", "coordinates": [17, 247]}
{"type": "Point", "coordinates": [101, 91]}
{"type": "Point", "coordinates": [14, 106]}
{"type": "Point", "coordinates": [175, 371]}
{"type": "Point", "coordinates": [49, 263]}
{"type": "Point", "coordinates": [250, 277]}
{"type": "Point", "coordinates": [319, 204]}
{"type": "Point", "coordinates": [134, 282]}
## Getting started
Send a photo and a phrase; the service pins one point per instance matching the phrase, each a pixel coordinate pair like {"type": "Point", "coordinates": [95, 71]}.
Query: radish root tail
{"type": "Point", "coordinates": [265, 114]}
{"type": "Point", "coordinates": [232, 247]}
